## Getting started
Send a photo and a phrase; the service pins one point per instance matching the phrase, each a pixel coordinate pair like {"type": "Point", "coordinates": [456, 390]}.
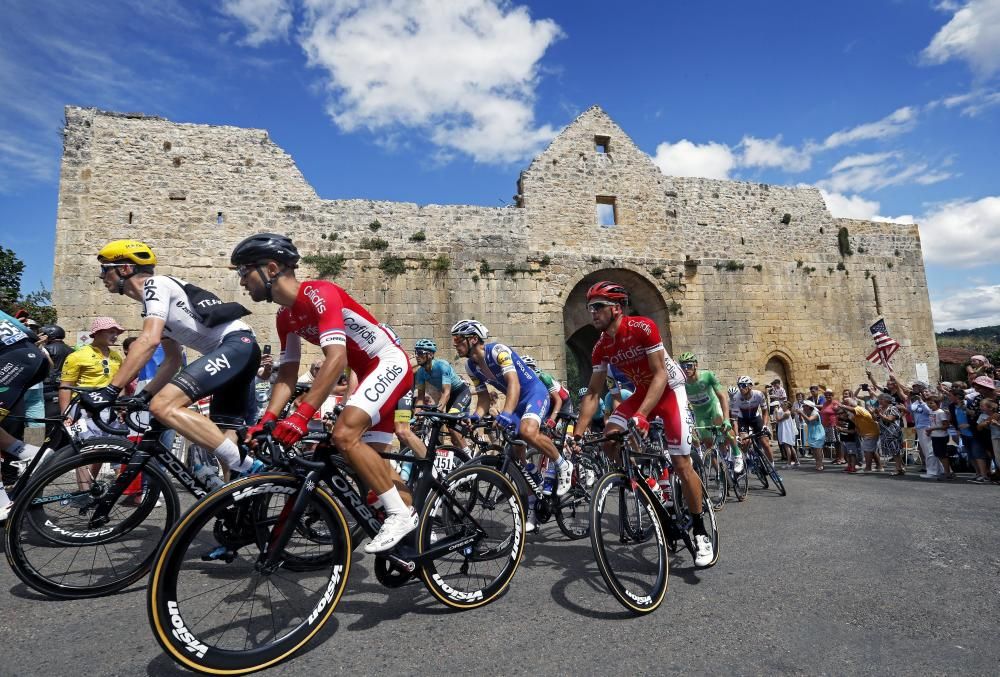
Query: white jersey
{"type": "Point", "coordinates": [165, 299]}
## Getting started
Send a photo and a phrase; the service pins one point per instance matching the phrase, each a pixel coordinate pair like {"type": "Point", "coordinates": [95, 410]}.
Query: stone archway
{"type": "Point", "coordinates": [779, 366]}
{"type": "Point", "coordinates": [645, 299]}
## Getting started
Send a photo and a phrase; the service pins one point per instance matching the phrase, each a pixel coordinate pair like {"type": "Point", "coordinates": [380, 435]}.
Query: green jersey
{"type": "Point", "coordinates": [701, 395]}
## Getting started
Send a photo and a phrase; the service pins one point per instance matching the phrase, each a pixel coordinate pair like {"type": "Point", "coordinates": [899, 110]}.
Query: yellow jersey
{"type": "Point", "coordinates": [89, 368]}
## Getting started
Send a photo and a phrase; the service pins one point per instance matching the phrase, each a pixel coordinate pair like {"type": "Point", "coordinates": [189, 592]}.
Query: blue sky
{"type": "Point", "coordinates": [890, 107]}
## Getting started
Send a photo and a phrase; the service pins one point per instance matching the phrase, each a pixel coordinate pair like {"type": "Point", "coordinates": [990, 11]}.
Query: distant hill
{"type": "Point", "coordinates": [985, 340]}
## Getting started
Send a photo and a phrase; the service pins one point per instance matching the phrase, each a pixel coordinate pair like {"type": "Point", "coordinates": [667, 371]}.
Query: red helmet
{"type": "Point", "coordinates": [609, 290]}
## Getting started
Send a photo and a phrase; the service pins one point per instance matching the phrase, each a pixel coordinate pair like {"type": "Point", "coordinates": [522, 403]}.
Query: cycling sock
{"type": "Point", "coordinates": [393, 502]}
{"type": "Point", "coordinates": [229, 453]}
{"type": "Point", "coordinates": [560, 461]}
{"type": "Point", "coordinates": [698, 525]}
{"type": "Point", "coordinates": [15, 448]}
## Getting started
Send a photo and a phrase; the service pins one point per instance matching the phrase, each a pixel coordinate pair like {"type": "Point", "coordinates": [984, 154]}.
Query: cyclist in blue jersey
{"type": "Point", "coordinates": [527, 400]}
{"type": "Point", "coordinates": [453, 394]}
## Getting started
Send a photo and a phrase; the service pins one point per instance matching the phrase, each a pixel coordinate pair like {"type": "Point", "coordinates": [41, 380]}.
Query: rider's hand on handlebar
{"type": "Point", "coordinates": [96, 400]}
{"type": "Point", "coordinates": [292, 429]}
{"type": "Point", "coordinates": [641, 423]}
{"type": "Point", "coordinates": [139, 401]}
{"type": "Point", "coordinates": [507, 421]}
{"type": "Point", "coordinates": [258, 427]}
{"type": "Point", "coordinates": [551, 423]}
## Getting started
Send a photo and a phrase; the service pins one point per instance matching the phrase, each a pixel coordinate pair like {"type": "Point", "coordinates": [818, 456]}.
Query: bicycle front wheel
{"type": "Point", "coordinates": [58, 544]}
{"type": "Point", "coordinates": [716, 478]}
{"type": "Point", "coordinates": [772, 473]}
{"type": "Point", "coordinates": [214, 603]}
{"type": "Point", "coordinates": [629, 544]}
{"type": "Point", "coordinates": [490, 527]}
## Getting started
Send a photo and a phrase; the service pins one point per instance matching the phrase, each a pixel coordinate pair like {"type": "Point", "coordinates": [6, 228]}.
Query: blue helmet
{"type": "Point", "coordinates": [426, 344]}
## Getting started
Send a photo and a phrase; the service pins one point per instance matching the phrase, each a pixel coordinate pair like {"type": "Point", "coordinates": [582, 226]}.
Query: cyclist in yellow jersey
{"type": "Point", "coordinates": [93, 365]}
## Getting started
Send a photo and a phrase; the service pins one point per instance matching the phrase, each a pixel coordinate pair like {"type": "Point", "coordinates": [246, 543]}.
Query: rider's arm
{"type": "Point", "coordinates": [513, 391]}
{"type": "Point", "coordinates": [657, 385]}
{"type": "Point", "coordinates": [335, 359]}
{"type": "Point", "coordinates": [723, 396]}
{"type": "Point", "coordinates": [588, 403]}
{"type": "Point", "coordinates": [141, 351]}
{"type": "Point", "coordinates": [172, 361]}
{"type": "Point", "coordinates": [284, 387]}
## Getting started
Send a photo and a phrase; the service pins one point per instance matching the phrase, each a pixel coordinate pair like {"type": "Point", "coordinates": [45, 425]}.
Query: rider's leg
{"type": "Point", "coordinates": [170, 407]}
{"type": "Point", "coordinates": [691, 486]}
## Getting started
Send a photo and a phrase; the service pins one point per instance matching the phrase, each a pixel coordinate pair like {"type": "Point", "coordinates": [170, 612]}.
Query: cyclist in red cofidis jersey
{"type": "Point", "coordinates": [324, 314]}
{"type": "Point", "coordinates": [632, 344]}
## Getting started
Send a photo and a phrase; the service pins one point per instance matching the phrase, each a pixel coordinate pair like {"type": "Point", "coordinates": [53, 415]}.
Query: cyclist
{"type": "Point", "coordinates": [708, 400]}
{"type": "Point", "coordinates": [752, 407]}
{"type": "Point", "coordinates": [633, 345]}
{"type": "Point", "coordinates": [55, 346]}
{"type": "Point", "coordinates": [22, 365]}
{"type": "Point", "coordinates": [558, 396]}
{"type": "Point", "coordinates": [176, 315]}
{"type": "Point", "coordinates": [527, 401]}
{"type": "Point", "coordinates": [323, 314]}
{"type": "Point", "coordinates": [453, 394]}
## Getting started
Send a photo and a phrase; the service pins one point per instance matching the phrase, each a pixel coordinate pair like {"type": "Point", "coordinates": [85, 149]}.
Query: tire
{"type": "Point", "coordinates": [759, 469]}
{"type": "Point", "coordinates": [715, 477]}
{"type": "Point", "coordinates": [740, 484]}
{"type": "Point", "coordinates": [708, 519]}
{"type": "Point", "coordinates": [470, 577]}
{"type": "Point", "coordinates": [772, 473]}
{"type": "Point", "coordinates": [198, 609]}
{"type": "Point", "coordinates": [629, 544]}
{"type": "Point", "coordinates": [573, 511]}
{"type": "Point", "coordinates": [54, 547]}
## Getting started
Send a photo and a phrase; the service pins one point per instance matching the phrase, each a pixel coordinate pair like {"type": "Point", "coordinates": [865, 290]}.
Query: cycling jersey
{"type": "Point", "coordinates": [628, 350]}
{"type": "Point", "coordinates": [89, 368]}
{"type": "Point", "coordinates": [440, 373]}
{"type": "Point", "coordinates": [702, 394]}
{"type": "Point", "coordinates": [325, 315]}
{"type": "Point", "coordinates": [533, 401]}
{"type": "Point", "coordinates": [553, 386]}
{"type": "Point", "coordinates": [749, 407]}
{"type": "Point", "coordinates": [164, 298]}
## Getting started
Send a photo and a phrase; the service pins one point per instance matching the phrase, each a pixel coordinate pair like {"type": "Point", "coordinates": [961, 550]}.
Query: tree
{"type": "Point", "coordinates": [38, 304]}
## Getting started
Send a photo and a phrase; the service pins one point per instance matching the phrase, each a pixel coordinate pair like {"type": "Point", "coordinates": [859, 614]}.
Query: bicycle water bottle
{"type": "Point", "coordinates": [532, 470]}
{"type": "Point", "coordinates": [550, 479]}
{"type": "Point", "coordinates": [207, 475]}
{"type": "Point", "coordinates": [664, 485]}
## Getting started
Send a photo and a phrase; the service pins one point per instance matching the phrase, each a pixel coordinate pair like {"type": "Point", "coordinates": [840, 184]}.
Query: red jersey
{"type": "Point", "coordinates": [629, 350]}
{"type": "Point", "coordinates": [325, 315]}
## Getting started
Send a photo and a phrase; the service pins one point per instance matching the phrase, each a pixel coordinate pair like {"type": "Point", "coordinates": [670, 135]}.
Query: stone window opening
{"type": "Point", "coordinates": [218, 218]}
{"type": "Point", "coordinates": [878, 301]}
{"type": "Point", "coordinates": [602, 144]}
{"type": "Point", "coordinates": [130, 218]}
{"type": "Point", "coordinates": [607, 211]}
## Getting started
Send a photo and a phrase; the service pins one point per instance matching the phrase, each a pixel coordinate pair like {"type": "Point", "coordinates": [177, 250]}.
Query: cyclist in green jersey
{"type": "Point", "coordinates": [709, 400]}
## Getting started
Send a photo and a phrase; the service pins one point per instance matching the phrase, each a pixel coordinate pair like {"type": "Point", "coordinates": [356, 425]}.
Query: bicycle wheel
{"type": "Point", "coordinates": [739, 482]}
{"type": "Point", "coordinates": [708, 519]}
{"type": "Point", "coordinates": [573, 510]}
{"type": "Point", "coordinates": [715, 478]}
{"type": "Point", "coordinates": [493, 524]}
{"type": "Point", "coordinates": [755, 458]}
{"type": "Point", "coordinates": [229, 614]}
{"type": "Point", "coordinates": [55, 545]}
{"type": "Point", "coordinates": [772, 473]}
{"type": "Point", "coordinates": [629, 544]}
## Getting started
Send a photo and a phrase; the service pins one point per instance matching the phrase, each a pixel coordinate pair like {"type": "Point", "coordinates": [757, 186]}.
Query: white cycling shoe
{"type": "Point", "coordinates": [530, 525]}
{"type": "Point", "coordinates": [565, 478]}
{"type": "Point", "coordinates": [392, 532]}
{"type": "Point", "coordinates": [703, 553]}
{"type": "Point", "coordinates": [738, 464]}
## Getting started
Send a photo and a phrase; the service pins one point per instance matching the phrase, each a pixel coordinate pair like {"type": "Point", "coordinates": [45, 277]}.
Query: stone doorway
{"type": "Point", "coordinates": [778, 367]}
{"type": "Point", "coordinates": [580, 334]}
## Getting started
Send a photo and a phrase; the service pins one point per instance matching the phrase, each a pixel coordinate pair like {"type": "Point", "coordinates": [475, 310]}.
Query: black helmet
{"type": "Point", "coordinates": [263, 247]}
{"type": "Point", "coordinates": [54, 332]}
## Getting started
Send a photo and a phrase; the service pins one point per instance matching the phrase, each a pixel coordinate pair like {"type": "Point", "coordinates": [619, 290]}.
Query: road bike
{"type": "Point", "coordinates": [760, 465]}
{"type": "Point", "coordinates": [282, 582]}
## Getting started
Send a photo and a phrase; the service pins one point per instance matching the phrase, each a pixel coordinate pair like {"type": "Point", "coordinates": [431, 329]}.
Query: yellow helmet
{"type": "Point", "coordinates": [132, 251]}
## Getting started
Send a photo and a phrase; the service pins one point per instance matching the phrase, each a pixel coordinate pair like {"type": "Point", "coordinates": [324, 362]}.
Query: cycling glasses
{"type": "Point", "coordinates": [688, 365]}
{"type": "Point", "coordinates": [107, 366]}
{"type": "Point", "coordinates": [598, 305]}
{"type": "Point", "coordinates": [421, 353]}
{"type": "Point", "coordinates": [242, 271]}
{"type": "Point", "coordinates": [108, 267]}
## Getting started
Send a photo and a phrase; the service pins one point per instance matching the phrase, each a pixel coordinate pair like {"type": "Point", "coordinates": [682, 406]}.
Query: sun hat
{"type": "Point", "coordinates": [985, 381]}
{"type": "Point", "coordinates": [102, 323]}
{"type": "Point", "coordinates": [808, 403]}
{"type": "Point", "coordinates": [981, 358]}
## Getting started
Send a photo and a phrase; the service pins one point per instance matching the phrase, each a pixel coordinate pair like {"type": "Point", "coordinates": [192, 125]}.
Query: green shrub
{"type": "Point", "coordinates": [326, 265]}
{"type": "Point", "coordinates": [418, 236]}
{"type": "Point", "coordinates": [844, 242]}
{"type": "Point", "coordinates": [392, 266]}
{"type": "Point", "coordinates": [441, 264]}
{"type": "Point", "coordinates": [375, 244]}
{"type": "Point", "coordinates": [484, 268]}
{"type": "Point", "coordinates": [374, 225]}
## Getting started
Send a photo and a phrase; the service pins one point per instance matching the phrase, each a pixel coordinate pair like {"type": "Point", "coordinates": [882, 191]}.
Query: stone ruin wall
{"type": "Point", "coordinates": [171, 180]}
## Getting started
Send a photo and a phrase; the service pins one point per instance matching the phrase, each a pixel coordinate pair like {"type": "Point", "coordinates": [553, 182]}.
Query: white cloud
{"type": "Point", "coordinates": [972, 35]}
{"type": "Point", "coordinates": [967, 308]}
{"type": "Point", "coordinates": [899, 121]}
{"type": "Point", "coordinates": [856, 207]}
{"type": "Point", "coordinates": [684, 158]}
{"type": "Point", "coordinates": [265, 20]}
{"type": "Point", "coordinates": [863, 160]}
{"type": "Point", "coordinates": [964, 233]}
{"type": "Point", "coordinates": [771, 153]}
{"type": "Point", "coordinates": [465, 71]}
{"type": "Point", "coordinates": [874, 171]}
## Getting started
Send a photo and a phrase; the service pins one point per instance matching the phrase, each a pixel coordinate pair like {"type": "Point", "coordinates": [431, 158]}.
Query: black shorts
{"type": "Point", "coordinates": [939, 445]}
{"type": "Point", "coordinates": [755, 424]}
{"type": "Point", "coordinates": [21, 366]}
{"type": "Point", "coordinates": [226, 374]}
{"type": "Point", "coordinates": [459, 400]}
{"type": "Point", "coordinates": [567, 407]}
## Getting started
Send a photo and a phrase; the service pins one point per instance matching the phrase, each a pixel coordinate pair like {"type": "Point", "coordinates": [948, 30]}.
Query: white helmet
{"type": "Point", "coordinates": [530, 361]}
{"type": "Point", "coordinates": [733, 390]}
{"type": "Point", "coordinates": [745, 381]}
{"type": "Point", "coordinates": [470, 328]}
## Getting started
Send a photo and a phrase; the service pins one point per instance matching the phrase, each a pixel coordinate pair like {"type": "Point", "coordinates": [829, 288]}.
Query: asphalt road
{"type": "Point", "coordinates": [846, 575]}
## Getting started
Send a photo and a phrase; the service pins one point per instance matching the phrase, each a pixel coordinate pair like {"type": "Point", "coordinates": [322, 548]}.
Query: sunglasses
{"type": "Point", "coordinates": [688, 365]}
{"type": "Point", "coordinates": [243, 271]}
{"type": "Point", "coordinates": [108, 267]}
{"type": "Point", "coordinates": [423, 353]}
{"type": "Point", "coordinates": [107, 366]}
{"type": "Point", "coordinates": [743, 387]}
{"type": "Point", "coordinates": [597, 306]}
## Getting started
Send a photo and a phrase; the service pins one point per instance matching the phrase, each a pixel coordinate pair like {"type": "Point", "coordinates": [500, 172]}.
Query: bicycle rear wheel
{"type": "Point", "coordinates": [493, 525]}
{"type": "Point", "coordinates": [573, 510]}
{"type": "Point", "coordinates": [715, 477]}
{"type": "Point", "coordinates": [212, 604]}
{"type": "Point", "coordinates": [629, 544]}
{"type": "Point", "coordinates": [772, 473]}
{"type": "Point", "coordinates": [708, 519]}
{"type": "Point", "coordinates": [55, 545]}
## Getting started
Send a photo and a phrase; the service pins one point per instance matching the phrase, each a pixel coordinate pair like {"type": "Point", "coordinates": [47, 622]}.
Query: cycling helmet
{"type": "Point", "coordinates": [733, 390]}
{"type": "Point", "coordinates": [426, 344]}
{"type": "Point", "coordinates": [609, 290]}
{"type": "Point", "coordinates": [582, 391]}
{"type": "Point", "coordinates": [470, 328]}
{"type": "Point", "coordinates": [127, 251]}
{"type": "Point", "coordinates": [745, 381]}
{"type": "Point", "coordinates": [687, 357]}
{"type": "Point", "coordinates": [530, 361]}
{"type": "Point", "coordinates": [54, 332]}
{"type": "Point", "coordinates": [264, 247]}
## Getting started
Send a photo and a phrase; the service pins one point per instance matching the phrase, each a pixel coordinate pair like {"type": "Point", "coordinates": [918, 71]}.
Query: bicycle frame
{"type": "Point", "coordinates": [56, 437]}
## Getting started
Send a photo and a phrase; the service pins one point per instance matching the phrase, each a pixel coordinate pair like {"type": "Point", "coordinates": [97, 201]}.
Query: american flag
{"type": "Point", "coordinates": [885, 345]}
